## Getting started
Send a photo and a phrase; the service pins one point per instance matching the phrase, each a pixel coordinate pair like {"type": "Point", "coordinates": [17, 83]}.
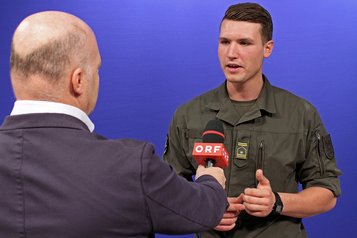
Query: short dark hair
{"type": "Point", "coordinates": [49, 60]}
{"type": "Point", "coordinates": [252, 12]}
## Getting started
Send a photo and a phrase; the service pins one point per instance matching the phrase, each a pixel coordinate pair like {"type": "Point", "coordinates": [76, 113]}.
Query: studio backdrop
{"type": "Point", "coordinates": [158, 54]}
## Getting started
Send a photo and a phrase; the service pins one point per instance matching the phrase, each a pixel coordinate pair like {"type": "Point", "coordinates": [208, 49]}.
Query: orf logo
{"type": "Point", "coordinates": [215, 151]}
{"type": "Point", "coordinates": [204, 148]}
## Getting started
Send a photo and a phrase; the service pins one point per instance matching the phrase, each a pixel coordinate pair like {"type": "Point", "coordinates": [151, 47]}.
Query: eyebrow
{"type": "Point", "coordinates": [239, 39]}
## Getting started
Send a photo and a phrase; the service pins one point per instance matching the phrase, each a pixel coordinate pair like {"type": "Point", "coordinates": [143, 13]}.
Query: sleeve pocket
{"type": "Point", "coordinates": [327, 146]}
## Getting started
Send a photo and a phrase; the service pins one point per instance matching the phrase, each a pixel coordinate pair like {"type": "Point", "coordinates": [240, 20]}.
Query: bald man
{"type": "Point", "coordinates": [57, 178]}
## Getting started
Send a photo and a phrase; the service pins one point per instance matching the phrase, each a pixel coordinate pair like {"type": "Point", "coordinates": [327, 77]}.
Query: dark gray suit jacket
{"type": "Point", "coordinates": [59, 180]}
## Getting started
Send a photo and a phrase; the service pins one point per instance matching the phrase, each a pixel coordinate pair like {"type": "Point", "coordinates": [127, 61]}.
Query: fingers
{"type": "Point", "coordinates": [257, 197]}
{"type": "Point", "coordinates": [260, 213]}
{"type": "Point", "coordinates": [219, 175]}
{"type": "Point", "coordinates": [236, 200]}
{"type": "Point", "coordinates": [236, 204]}
{"type": "Point", "coordinates": [230, 215]}
{"type": "Point", "coordinates": [235, 207]}
{"type": "Point", "coordinates": [256, 192]}
{"type": "Point", "coordinates": [225, 227]}
{"type": "Point", "coordinates": [229, 218]}
{"type": "Point", "coordinates": [258, 209]}
{"type": "Point", "coordinates": [228, 221]}
{"type": "Point", "coordinates": [199, 171]}
{"type": "Point", "coordinates": [240, 198]}
{"type": "Point", "coordinates": [216, 172]}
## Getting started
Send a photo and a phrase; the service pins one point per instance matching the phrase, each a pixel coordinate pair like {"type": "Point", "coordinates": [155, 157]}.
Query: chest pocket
{"type": "Point", "coordinates": [191, 136]}
{"type": "Point", "coordinates": [243, 161]}
{"type": "Point", "coordinates": [278, 155]}
{"type": "Point", "coordinates": [273, 153]}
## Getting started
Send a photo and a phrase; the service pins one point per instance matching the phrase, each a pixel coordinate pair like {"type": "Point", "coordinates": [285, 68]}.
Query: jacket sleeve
{"type": "Point", "coordinates": [176, 206]}
{"type": "Point", "coordinates": [319, 168]}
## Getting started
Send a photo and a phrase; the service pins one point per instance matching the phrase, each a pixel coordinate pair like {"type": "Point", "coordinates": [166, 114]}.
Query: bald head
{"type": "Point", "coordinates": [41, 28]}
{"type": "Point", "coordinates": [45, 44]}
{"type": "Point", "coordinates": [55, 57]}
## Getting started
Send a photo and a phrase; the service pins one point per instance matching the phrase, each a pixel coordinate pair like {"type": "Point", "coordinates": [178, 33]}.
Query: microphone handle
{"type": "Point", "coordinates": [210, 162]}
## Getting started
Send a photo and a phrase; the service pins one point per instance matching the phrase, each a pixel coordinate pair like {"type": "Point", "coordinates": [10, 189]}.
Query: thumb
{"type": "Point", "coordinates": [240, 198]}
{"type": "Point", "coordinates": [263, 181]}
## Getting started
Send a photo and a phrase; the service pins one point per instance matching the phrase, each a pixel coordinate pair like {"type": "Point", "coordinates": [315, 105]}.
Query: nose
{"type": "Point", "coordinates": [232, 51]}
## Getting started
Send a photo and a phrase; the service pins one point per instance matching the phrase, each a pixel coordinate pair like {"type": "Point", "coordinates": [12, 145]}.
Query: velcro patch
{"type": "Point", "coordinates": [328, 148]}
{"type": "Point", "coordinates": [242, 150]}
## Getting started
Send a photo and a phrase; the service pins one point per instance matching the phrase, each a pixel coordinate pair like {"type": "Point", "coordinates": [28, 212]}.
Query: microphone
{"type": "Point", "coordinates": [211, 152]}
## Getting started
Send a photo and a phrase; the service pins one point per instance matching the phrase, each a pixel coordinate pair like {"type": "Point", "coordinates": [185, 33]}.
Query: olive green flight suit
{"type": "Point", "coordinates": [281, 134]}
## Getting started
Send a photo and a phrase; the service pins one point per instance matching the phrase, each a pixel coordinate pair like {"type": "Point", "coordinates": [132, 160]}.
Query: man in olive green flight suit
{"type": "Point", "coordinates": [276, 140]}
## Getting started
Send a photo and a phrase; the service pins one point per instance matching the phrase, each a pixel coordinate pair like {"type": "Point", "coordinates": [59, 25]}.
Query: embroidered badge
{"type": "Point", "coordinates": [242, 150]}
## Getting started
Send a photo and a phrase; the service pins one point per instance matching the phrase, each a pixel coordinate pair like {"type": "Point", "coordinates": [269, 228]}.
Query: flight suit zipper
{"type": "Point", "coordinates": [319, 153]}
{"type": "Point", "coordinates": [260, 155]}
{"type": "Point", "coordinates": [260, 160]}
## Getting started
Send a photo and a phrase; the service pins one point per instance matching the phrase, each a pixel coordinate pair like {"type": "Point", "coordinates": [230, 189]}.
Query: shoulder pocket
{"type": "Point", "coordinates": [327, 146]}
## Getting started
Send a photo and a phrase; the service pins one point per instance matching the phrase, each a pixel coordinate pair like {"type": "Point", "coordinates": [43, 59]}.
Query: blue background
{"type": "Point", "coordinates": [158, 54]}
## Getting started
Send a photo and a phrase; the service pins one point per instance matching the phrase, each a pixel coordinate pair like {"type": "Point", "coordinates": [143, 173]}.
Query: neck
{"type": "Point", "coordinates": [39, 89]}
{"type": "Point", "coordinates": [244, 91]}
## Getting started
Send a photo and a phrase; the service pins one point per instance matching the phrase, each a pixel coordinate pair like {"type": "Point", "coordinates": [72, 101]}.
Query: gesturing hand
{"type": "Point", "coordinates": [230, 216]}
{"type": "Point", "coordinates": [259, 201]}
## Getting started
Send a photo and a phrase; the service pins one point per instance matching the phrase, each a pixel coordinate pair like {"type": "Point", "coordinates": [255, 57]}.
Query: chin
{"type": "Point", "coordinates": [234, 80]}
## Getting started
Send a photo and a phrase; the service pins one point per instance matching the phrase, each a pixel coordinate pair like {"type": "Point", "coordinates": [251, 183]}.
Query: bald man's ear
{"type": "Point", "coordinates": [77, 81]}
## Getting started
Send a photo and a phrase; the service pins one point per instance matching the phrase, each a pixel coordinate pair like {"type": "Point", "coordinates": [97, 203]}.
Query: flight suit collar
{"type": "Point", "coordinates": [225, 109]}
{"type": "Point", "coordinates": [266, 98]}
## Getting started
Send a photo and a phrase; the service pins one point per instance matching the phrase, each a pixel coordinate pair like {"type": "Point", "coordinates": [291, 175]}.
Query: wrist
{"type": "Point", "coordinates": [278, 205]}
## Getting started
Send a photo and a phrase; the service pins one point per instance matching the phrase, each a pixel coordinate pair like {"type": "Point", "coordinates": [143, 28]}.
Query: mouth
{"type": "Point", "coordinates": [233, 67]}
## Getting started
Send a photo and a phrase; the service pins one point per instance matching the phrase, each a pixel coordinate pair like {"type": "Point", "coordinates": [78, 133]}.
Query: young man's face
{"type": "Point", "coordinates": [241, 51]}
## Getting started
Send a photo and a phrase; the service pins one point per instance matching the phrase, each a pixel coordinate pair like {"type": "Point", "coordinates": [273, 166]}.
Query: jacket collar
{"type": "Point", "coordinates": [35, 106]}
{"type": "Point", "coordinates": [43, 120]}
{"type": "Point", "coordinates": [225, 109]}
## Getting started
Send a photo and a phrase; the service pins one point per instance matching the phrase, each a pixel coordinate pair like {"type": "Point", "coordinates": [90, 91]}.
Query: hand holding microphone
{"type": "Point", "coordinates": [211, 152]}
{"type": "Point", "coordinates": [215, 172]}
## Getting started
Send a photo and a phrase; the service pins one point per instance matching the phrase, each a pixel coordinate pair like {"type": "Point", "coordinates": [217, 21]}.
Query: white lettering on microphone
{"type": "Point", "coordinates": [208, 149]}
{"type": "Point", "coordinates": [199, 148]}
